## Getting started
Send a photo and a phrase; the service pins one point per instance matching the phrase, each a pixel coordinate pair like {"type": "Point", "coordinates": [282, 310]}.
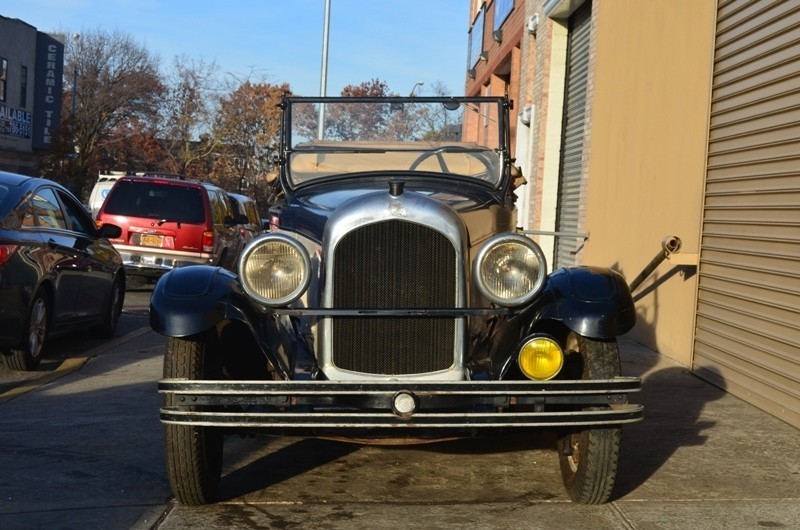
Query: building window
{"type": "Point", "coordinates": [476, 40]}
{"type": "Point", "coordinates": [23, 85]}
{"type": "Point", "coordinates": [3, 78]}
{"type": "Point", "coordinates": [502, 8]}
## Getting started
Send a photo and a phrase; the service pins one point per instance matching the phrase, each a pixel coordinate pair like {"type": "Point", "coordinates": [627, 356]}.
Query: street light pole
{"type": "Point", "coordinates": [324, 73]}
{"type": "Point", "coordinates": [74, 155]}
{"type": "Point", "coordinates": [75, 38]}
{"type": "Point", "coordinates": [418, 83]}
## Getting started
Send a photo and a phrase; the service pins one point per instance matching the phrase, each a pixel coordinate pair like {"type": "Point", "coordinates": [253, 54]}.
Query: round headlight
{"type": "Point", "coordinates": [275, 269]}
{"type": "Point", "coordinates": [510, 269]}
{"type": "Point", "coordinates": [540, 358]}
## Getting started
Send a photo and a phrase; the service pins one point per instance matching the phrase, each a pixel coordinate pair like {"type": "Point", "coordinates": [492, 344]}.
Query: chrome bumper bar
{"type": "Point", "coordinates": [287, 405]}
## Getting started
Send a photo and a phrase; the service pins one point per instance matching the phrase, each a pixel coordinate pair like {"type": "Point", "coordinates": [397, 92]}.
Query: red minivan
{"type": "Point", "coordinates": [169, 221]}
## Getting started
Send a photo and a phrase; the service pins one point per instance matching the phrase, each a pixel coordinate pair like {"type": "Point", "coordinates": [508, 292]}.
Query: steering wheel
{"type": "Point", "coordinates": [449, 149]}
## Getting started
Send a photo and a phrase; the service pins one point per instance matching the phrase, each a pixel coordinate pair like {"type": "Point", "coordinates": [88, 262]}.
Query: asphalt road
{"type": "Point", "coordinates": [134, 316]}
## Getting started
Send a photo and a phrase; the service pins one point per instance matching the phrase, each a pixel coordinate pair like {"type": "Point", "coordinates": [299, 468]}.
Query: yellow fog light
{"type": "Point", "coordinates": [540, 358]}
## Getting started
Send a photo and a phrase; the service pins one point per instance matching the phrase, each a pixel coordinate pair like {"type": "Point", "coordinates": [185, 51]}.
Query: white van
{"type": "Point", "coordinates": [100, 191]}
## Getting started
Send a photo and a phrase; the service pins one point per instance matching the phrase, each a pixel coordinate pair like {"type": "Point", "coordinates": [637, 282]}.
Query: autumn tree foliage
{"type": "Point", "coordinates": [132, 146]}
{"type": "Point", "coordinates": [374, 88]}
{"type": "Point", "coordinates": [390, 122]}
{"type": "Point", "coordinates": [344, 122]}
{"type": "Point", "coordinates": [247, 129]}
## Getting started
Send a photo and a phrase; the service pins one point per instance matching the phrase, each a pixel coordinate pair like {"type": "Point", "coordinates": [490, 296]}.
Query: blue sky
{"type": "Point", "coordinates": [398, 41]}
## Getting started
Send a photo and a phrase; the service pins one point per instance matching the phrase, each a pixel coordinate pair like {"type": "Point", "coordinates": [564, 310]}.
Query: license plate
{"type": "Point", "coordinates": [151, 240]}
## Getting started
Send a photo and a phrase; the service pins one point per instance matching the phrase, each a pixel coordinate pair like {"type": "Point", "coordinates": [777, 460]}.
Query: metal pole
{"type": "Point", "coordinates": [324, 74]}
{"type": "Point", "coordinates": [75, 38]}
{"type": "Point", "coordinates": [73, 156]}
{"type": "Point", "coordinates": [74, 88]}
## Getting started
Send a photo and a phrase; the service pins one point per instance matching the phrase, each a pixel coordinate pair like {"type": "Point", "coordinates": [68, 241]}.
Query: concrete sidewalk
{"type": "Point", "coordinates": [85, 450]}
{"type": "Point", "coordinates": [703, 458]}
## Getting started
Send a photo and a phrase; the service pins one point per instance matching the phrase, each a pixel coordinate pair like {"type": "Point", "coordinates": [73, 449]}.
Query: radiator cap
{"type": "Point", "coordinates": [396, 188]}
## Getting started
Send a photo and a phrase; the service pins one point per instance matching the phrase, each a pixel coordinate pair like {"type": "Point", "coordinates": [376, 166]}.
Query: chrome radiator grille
{"type": "Point", "coordinates": [394, 265]}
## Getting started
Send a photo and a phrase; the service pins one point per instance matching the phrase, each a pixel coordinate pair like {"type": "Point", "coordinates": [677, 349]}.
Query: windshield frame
{"type": "Point", "coordinates": [288, 147]}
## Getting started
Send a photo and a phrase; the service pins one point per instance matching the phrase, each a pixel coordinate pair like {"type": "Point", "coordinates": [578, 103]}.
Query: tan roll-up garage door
{"type": "Point", "coordinates": [573, 148]}
{"type": "Point", "coordinates": [747, 336]}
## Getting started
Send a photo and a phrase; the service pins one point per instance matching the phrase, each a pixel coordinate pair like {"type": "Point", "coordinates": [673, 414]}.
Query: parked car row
{"type": "Point", "coordinates": [169, 221]}
{"type": "Point", "coordinates": [100, 191]}
{"type": "Point", "coordinates": [61, 269]}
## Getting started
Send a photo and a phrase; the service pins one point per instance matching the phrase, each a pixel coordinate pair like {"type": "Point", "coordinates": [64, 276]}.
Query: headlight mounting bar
{"type": "Point", "coordinates": [415, 312]}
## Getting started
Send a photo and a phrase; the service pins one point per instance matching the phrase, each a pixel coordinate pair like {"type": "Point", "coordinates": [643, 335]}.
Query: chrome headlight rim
{"type": "Point", "coordinates": [538, 283]}
{"type": "Point", "coordinates": [267, 239]}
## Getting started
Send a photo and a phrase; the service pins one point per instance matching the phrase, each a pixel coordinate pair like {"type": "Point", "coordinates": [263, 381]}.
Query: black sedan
{"type": "Point", "coordinates": [58, 272]}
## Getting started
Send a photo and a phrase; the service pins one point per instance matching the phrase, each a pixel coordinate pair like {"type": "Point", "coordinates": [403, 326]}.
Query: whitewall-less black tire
{"type": "Point", "coordinates": [194, 453]}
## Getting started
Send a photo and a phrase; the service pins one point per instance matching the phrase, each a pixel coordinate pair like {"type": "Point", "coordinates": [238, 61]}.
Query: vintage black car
{"type": "Point", "coordinates": [394, 298]}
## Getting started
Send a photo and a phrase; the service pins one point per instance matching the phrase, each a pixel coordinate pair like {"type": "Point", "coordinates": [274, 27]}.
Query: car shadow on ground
{"type": "Point", "coordinates": [277, 466]}
{"type": "Point", "coordinates": [323, 470]}
{"type": "Point", "coordinates": [673, 398]}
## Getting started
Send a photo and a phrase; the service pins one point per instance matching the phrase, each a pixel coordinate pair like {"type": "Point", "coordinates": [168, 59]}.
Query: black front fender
{"type": "Point", "coordinates": [591, 301]}
{"type": "Point", "coordinates": [190, 300]}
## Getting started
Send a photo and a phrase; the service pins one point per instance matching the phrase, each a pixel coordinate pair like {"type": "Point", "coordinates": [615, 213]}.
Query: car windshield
{"type": "Point", "coordinates": [329, 137]}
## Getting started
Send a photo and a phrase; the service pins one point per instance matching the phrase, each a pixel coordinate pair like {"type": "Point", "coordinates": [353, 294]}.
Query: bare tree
{"type": "Point", "coordinates": [114, 81]}
{"type": "Point", "coordinates": [440, 122]}
{"type": "Point", "coordinates": [187, 113]}
{"type": "Point", "coordinates": [440, 89]}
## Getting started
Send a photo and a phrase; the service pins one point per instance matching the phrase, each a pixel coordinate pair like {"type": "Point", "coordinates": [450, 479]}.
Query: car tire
{"type": "Point", "coordinates": [194, 453]}
{"type": "Point", "coordinates": [28, 354]}
{"type": "Point", "coordinates": [589, 457]}
{"type": "Point", "coordinates": [108, 327]}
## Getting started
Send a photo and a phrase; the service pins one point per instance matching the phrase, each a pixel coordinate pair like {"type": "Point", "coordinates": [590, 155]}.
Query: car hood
{"type": "Point", "coordinates": [480, 210]}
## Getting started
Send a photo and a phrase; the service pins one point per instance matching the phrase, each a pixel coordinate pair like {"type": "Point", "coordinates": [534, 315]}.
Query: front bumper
{"type": "Point", "coordinates": [154, 262]}
{"type": "Point", "coordinates": [321, 405]}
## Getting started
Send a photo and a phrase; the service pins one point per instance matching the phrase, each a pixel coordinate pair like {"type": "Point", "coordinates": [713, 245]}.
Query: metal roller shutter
{"type": "Point", "coordinates": [747, 336]}
{"type": "Point", "coordinates": [572, 148]}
